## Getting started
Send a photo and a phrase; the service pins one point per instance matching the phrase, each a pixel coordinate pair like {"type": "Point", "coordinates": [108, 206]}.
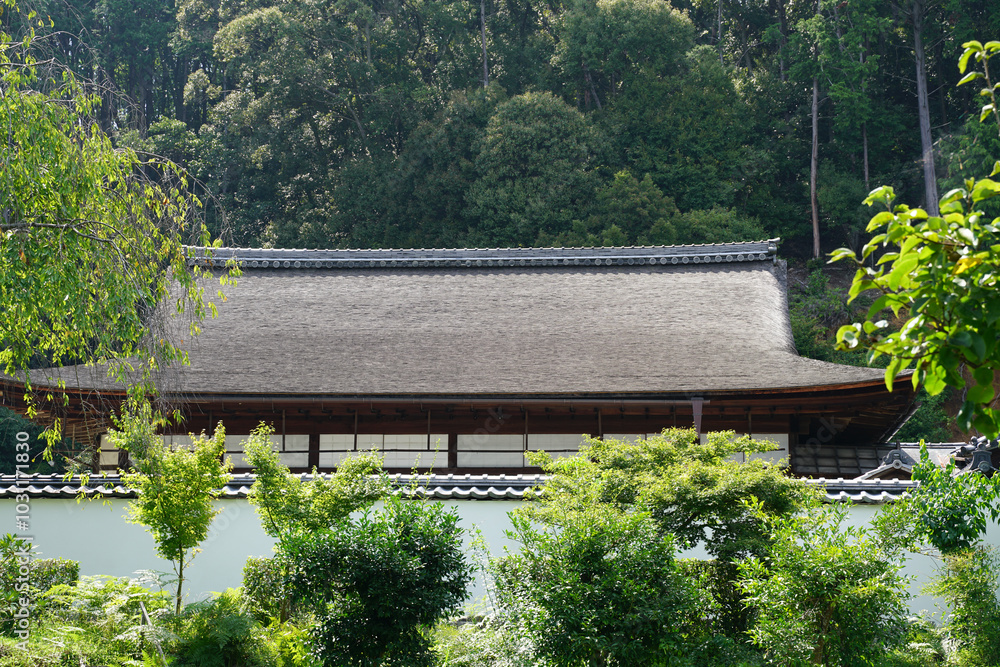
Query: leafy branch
{"type": "Point", "coordinates": [940, 273]}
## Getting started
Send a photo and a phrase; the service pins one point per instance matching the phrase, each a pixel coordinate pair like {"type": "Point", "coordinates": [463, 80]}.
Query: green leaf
{"type": "Point", "coordinates": [992, 306]}
{"type": "Point", "coordinates": [978, 346]}
{"type": "Point", "coordinates": [963, 61]}
{"type": "Point", "coordinates": [848, 335]}
{"type": "Point", "coordinates": [971, 76]}
{"type": "Point", "coordinates": [841, 253]}
{"type": "Point", "coordinates": [892, 370]}
{"type": "Point", "coordinates": [878, 305]}
{"type": "Point", "coordinates": [985, 189]}
{"type": "Point", "coordinates": [880, 219]}
{"type": "Point", "coordinates": [981, 394]}
{"type": "Point", "coordinates": [948, 358]}
{"type": "Point", "coordinates": [910, 243]}
{"type": "Point", "coordinates": [985, 423]}
{"type": "Point", "coordinates": [901, 270]}
{"type": "Point", "coordinates": [960, 339]}
{"type": "Point", "coordinates": [971, 48]}
{"type": "Point", "coordinates": [883, 193]}
{"type": "Point", "coordinates": [953, 194]}
{"type": "Point", "coordinates": [966, 235]}
{"type": "Point", "coordinates": [933, 384]}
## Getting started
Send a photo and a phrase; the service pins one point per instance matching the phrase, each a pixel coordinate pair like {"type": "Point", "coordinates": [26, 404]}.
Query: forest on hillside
{"type": "Point", "coordinates": [448, 123]}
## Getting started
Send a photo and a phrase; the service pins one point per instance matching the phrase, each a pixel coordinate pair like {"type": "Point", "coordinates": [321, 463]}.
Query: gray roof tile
{"type": "Point", "coordinates": [436, 487]}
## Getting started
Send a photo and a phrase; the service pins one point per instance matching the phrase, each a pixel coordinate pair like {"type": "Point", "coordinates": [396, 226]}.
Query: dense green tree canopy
{"type": "Point", "coordinates": [690, 489]}
{"type": "Point", "coordinates": [535, 171]}
{"type": "Point", "coordinates": [331, 123]}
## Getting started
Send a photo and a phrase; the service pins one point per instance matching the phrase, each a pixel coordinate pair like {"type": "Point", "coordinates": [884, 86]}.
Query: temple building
{"type": "Point", "coordinates": [459, 361]}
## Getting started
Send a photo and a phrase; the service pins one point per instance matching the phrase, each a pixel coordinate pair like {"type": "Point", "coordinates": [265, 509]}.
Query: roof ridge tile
{"type": "Point", "coordinates": [385, 258]}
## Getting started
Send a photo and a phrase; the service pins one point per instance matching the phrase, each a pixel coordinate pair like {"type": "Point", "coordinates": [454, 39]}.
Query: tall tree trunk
{"type": "Point", "coordinates": [864, 125]}
{"type": "Point", "coordinates": [593, 90]}
{"type": "Point", "coordinates": [779, 7]}
{"type": "Point", "coordinates": [180, 78]}
{"type": "Point", "coordinates": [482, 32]}
{"type": "Point", "coordinates": [864, 153]}
{"type": "Point", "coordinates": [180, 583]}
{"type": "Point", "coordinates": [926, 142]}
{"type": "Point", "coordinates": [813, 167]}
{"type": "Point", "coordinates": [148, 102]}
{"type": "Point", "coordinates": [942, 89]}
{"type": "Point", "coordinates": [718, 34]}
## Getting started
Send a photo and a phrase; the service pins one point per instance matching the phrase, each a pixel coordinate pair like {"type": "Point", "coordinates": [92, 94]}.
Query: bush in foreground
{"type": "Point", "coordinates": [380, 582]}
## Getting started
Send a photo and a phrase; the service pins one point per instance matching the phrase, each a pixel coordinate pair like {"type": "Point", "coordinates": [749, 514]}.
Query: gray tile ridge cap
{"type": "Point", "coordinates": [865, 491]}
{"type": "Point", "coordinates": [483, 479]}
{"type": "Point", "coordinates": [871, 475]}
{"type": "Point", "coordinates": [434, 486]}
{"type": "Point", "coordinates": [861, 483]}
{"type": "Point", "coordinates": [519, 249]}
{"type": "Point", "coordinates": [110, 484]}
{"type": "Point", "coordinates": [719, 252]}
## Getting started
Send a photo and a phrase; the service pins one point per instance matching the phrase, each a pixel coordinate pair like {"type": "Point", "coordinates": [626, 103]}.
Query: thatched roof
{"type": "Point", "coordinates": [516, 322]}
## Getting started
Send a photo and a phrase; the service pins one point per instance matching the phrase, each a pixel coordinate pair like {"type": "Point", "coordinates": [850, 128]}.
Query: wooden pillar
{"type": "Point", "coordinates": [453, 451]}
{"type": "Point", "coordinates": [313, 449]}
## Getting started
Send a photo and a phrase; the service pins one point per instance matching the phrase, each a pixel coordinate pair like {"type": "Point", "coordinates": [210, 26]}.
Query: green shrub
{"type": "Point", "coordinates": [730, 615]}
{"type": "Point", "coordinates": [969, 585]}
{"type": "Point", "coordinates": [690, 489]}
{"type": "Point", "coordinates": [95, 621]}
{"type": "Point", "coordinates": [219, 633]}
{"type": "Point", "coordinates": [264, 587]}
{"type": "Point", "coordinates": [112, 607]}
{"type": "Point", "coordinates": [291, 644]}
{"type": "Point", "coordinates": [175, 486]}
{"type": "Point", "coordinates": [923, 648]}
{"type": "Point", "coordinates": [931, 421]}
{"type": "Point", "coordinates": [288, 505]}
{"type": "Point", "coordinates": [951, 510]}
{"type": "Point", "coordinates": [43, 574]}
{"type": "Point", "coordinates": [599, 587]}
{"type": "Point", "coordinates": [718, 225]}
{"type": "Point", "coordinates": [826, 596]}
{"type": "Point", "coordinates": [49, 572]}
{"type": "Point", "coordinates": [379, 582]}
{"type": "Point", "coordinates": [485, 644]}
{"type": "Point", "coordinates": [60, 645]}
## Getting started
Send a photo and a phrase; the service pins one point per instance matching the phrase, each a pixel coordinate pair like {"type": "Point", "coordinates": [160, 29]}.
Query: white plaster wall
{"type": "Point", "coordinates": [97, 535]}
{"type": "Point", "coordinates": [921, 568]}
